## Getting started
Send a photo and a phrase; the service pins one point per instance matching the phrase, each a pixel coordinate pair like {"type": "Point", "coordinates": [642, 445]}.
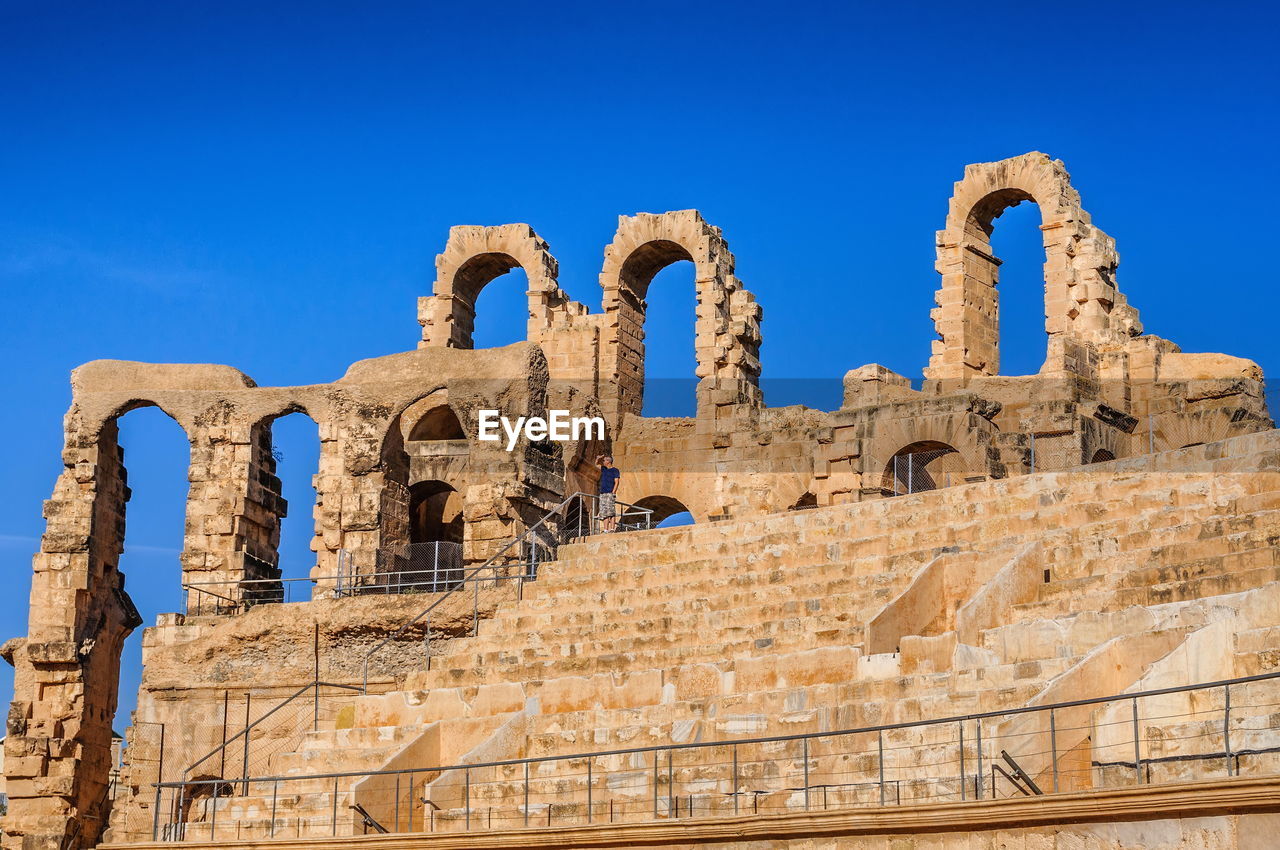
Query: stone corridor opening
{"type": "Point", "coordinates": [499, 308]}
{"type": "Point", "coordinates": [670, 354]}
{"type": "Point", "coordinates": [294, 463]}
{"type": "Point", "coordinates": [921, 466]}
{"type": "Point", "coordinates": [1018, 245]}
{"type": "Point", "coordinates": [667, 512]}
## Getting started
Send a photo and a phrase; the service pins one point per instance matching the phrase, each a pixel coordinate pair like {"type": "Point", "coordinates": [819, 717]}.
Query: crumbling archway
{"type": "Point", "coordinates": [664, 508]}
{"type": "Point", "coordinates": [727, 337]}
{"type": "Point", "coordinates": [923, 465]}
{"type": "Point", "coordinates": [473, 257]}
{"type": "Point", "coordinates": [1082, 301]}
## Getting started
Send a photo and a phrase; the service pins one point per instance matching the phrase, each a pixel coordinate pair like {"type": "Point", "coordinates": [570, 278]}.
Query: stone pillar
{"type": "Point", "coordinates": [58, 737]}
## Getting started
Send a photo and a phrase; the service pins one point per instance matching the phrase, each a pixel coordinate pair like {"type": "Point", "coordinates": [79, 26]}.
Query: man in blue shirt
{"type": "Point", "coordinates": [608, 494]}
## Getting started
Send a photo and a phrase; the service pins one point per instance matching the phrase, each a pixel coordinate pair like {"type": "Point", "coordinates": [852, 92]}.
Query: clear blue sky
{"type": "Point", "coordinates": [266, 185]}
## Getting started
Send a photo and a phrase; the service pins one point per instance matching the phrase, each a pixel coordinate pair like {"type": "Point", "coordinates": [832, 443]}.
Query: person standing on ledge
{"type": "Point", "coordinates": [608, 494]}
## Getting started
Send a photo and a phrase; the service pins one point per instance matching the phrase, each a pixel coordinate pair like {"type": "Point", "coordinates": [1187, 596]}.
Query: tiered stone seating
{"type": "Point", "coordinates": [742, 630]}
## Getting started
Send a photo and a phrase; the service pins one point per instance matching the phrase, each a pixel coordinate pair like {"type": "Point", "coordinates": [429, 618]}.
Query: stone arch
{"type": "Point", "coordinates": [663, 507]}
{"type": "Point", "coordinates": [438, 423]}
{"type": "Point", "coordinates": [727, 338]}
{"type": "Point", "coordinates": [923, 465]}
{"type": "Point", "coordinates": [473, 257]}
{"type": "Point", "coordinates": [435, 512]}
{"type": "Point", "coordinates": [1102, 456]}
{"type": "Point", "coordinates": [1082, 301]}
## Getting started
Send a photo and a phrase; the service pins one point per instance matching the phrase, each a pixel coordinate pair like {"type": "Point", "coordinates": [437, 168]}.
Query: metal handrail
{"type": "Point", "coordinates": [474, 571]}
{"type": "Point", "coordinates": [245, 731]}
{"type": "Point", "coordinates": [348, 590]}
{"type": "Point", "coordinates": [528, 535]}
{"type": "Point", "coordinates": [771, 739]}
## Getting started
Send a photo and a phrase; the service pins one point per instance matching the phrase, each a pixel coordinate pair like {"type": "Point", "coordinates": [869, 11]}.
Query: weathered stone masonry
{"type": "Point", "coordinates": [1105, 391]}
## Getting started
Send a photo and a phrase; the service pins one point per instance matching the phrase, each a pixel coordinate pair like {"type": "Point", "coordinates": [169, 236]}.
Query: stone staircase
{"type": "Point", "coordinates": [739, 630]}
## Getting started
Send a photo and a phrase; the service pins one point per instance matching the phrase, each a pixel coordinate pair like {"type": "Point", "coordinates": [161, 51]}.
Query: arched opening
{"type": "Point", "coordinates": [666, 511]}
{"type": "Point", "coordinates": [669, 346]}
{"type": "Point", "coordinates": [804, 502]}
{"type": "Point", "coordinates": [435, 513]}
{"type": "Point", "coordinates": [433, 559]}
{"type": "Point", "coordinates": [655, 347]}
{"type": "Point", "coordinates": [493, 289]}
{"type": "Point", "coordinates": [438, 423]}
{"type": "Point", "coordinates": [287, 473]}
{"type": "Point", "coordinates": [1102, 456]}
{"type": "Point", "coordinates": [1018, 277]}
{"type": "Point", "coordinates": [142, 479]}
{"type": "Point", "coordinates": [921, 466]}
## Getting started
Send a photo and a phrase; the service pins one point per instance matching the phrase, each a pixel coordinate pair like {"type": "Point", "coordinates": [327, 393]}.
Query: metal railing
{"type": "Point", "coordinates": [432, 567]}
{"type": "Point", "coordinates": [291, 719]}
{"type": "Point", "coordinates": [1169, 735]}
{"type": "Point", "coordinates": [515, 563]}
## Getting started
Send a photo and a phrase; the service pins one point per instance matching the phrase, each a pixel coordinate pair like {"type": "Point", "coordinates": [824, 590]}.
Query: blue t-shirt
{"type": "Point", "coordinates": [609, 476]}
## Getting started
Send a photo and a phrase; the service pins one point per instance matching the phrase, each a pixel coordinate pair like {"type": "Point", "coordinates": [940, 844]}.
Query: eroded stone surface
{"type": "Point", "coordinates": [948, 566]}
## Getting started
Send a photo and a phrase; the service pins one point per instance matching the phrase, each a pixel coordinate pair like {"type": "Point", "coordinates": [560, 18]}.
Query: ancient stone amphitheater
{"type": "Point", "coordinates": [1018, 612]}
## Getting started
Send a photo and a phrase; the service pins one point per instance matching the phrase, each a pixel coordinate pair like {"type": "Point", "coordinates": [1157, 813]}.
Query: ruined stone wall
{"type": "Point", "coordinates": [1105, 391]}
{"type": "Point", "coordinates": [59, 732]}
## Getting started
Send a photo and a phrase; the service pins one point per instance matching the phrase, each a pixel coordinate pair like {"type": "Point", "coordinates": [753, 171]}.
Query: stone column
{"type": "Point", "coordinates": [58, 737]}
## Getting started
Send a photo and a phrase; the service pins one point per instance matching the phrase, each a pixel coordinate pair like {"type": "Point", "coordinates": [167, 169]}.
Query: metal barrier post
{"type": "Point", "coordinates": [475, 608]}
{"type": "Point", "coordinates": [1053, 747]}
{"type": "Point", "coordinates": [1137, 749]}
{"type": "Point", "coordinates": [467, 796]}
{"type": "Point", "coordinates": [1033, 452]}
{"type": "Point", "coordinates": [671, 786]}
{"type": "Point", "coordinates": [213, 814]}
{"type": "Point", "coordinates": [155, 817]}
{"type": "Point", "coordinates": [335, 805]}
{"type": "Point", "coordinates": [177, 810]}
{"type": "Point", "coordinates": [222, 753]}
{"type": "Point", "coordinates": [880, 745]}
{"type": "Point", "coordinates": [1226, 728]}
{"type": "Point", "coordinates": [526, 793]}
{"type": "Point", "coordinates": [978, 790]}
{"type": "Point", "coordinates": [588, 789]}
{"type": "Point", "coordinates": [397, 804]}
{"type": "Point", "coordinates": [963, 790]}
{"type": "Point", "coordinates": [735, 779]}
{"type": "Point", "coordinates": [275, 788]}
{"type": "Point", "coordinates": [244, 759]}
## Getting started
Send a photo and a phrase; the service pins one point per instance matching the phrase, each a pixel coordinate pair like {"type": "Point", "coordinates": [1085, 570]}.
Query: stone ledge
{"type": "Point", "coordinates": [1152, 802]}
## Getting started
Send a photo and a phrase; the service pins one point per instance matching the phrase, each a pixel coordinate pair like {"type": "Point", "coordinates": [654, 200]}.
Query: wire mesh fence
{"type": "Point", "coordinates": [255, 742]}
{"type": "Point", "coordinates": [1215, 730]}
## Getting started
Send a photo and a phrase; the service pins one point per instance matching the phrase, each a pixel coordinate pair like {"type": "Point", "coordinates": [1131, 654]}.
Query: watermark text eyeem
{"type": "Point", "coordinates": [558, 426]}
